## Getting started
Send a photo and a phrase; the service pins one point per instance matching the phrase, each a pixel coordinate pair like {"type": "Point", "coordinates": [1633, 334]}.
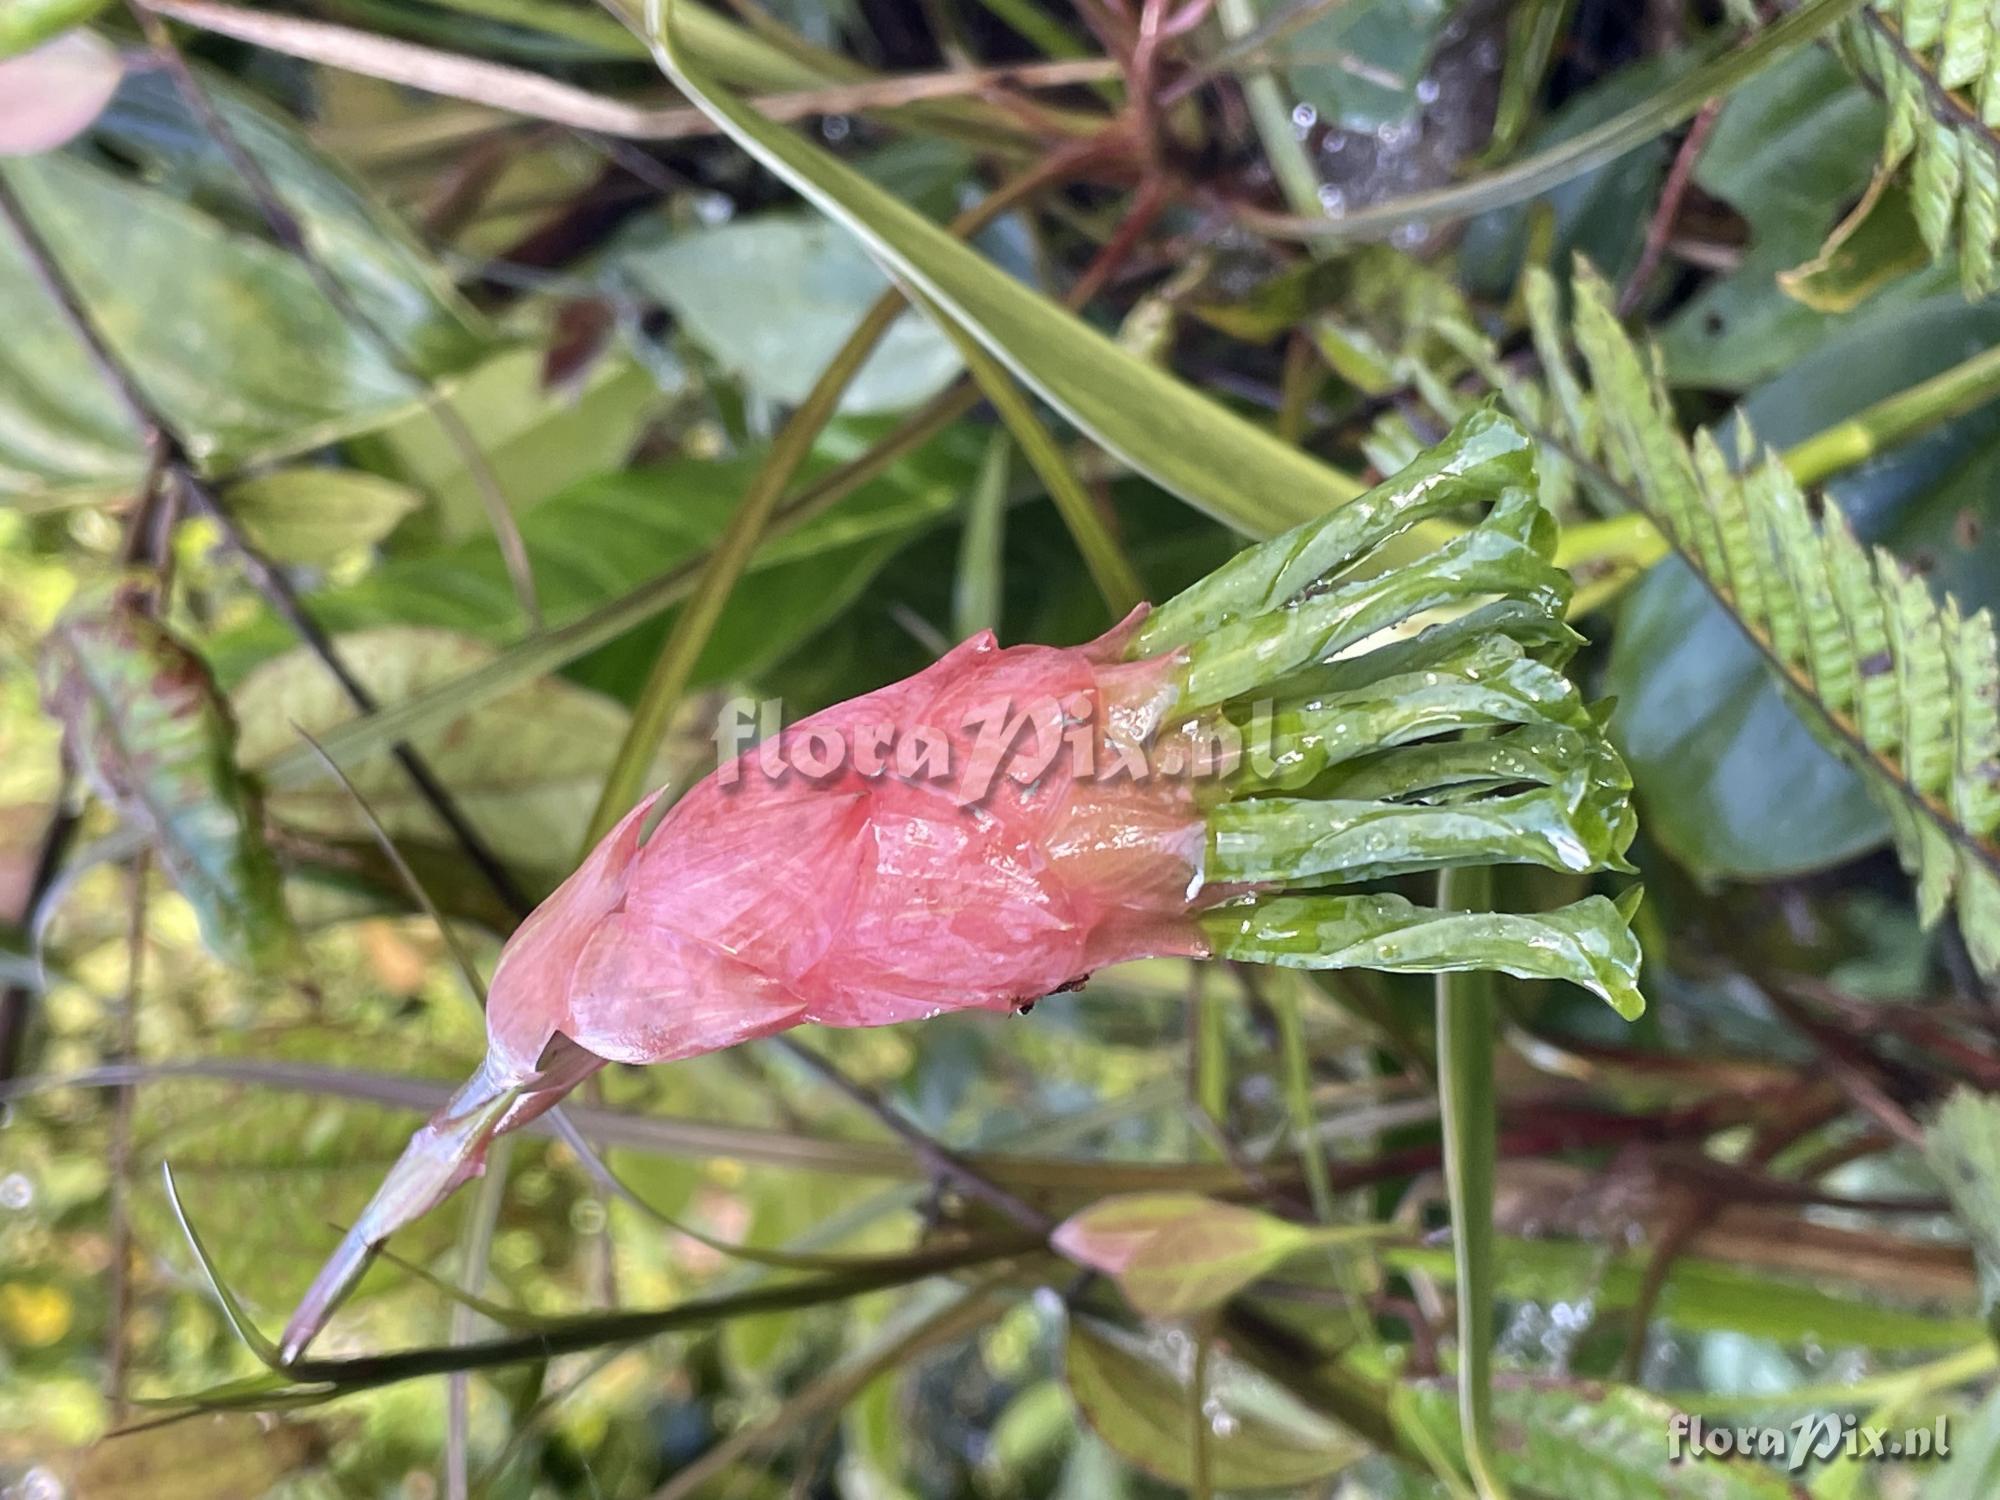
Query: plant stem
{"type": "Point", "coordinates": [1466, 1096]}
{"type": "Point", "coordinates": [977, 598]}
{"type": "Point", "coordinates": [1895, 419]}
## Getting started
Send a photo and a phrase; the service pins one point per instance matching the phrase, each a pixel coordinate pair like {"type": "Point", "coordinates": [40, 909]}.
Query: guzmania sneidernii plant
{"type": "Point", "coordinates": [1239, 773]}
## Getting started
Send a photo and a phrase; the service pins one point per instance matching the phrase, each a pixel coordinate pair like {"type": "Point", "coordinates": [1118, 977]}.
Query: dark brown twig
{"type": "Point", "coordinates": [1680, 177]}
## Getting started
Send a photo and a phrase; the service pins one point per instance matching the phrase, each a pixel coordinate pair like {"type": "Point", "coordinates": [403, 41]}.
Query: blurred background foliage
{"type": "Point", "coordinates": [459, 339]}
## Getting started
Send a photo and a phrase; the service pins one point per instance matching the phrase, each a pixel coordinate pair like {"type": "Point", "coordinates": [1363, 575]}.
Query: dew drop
{"type": "Point", "coordinates": [16, 1191]}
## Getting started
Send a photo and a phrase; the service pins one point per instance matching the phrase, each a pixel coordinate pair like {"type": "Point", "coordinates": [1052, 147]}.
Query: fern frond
{"type": "Point", "coordinates": [1936, 64]}
{"type": "Point", "coordinates": [1898, 685]}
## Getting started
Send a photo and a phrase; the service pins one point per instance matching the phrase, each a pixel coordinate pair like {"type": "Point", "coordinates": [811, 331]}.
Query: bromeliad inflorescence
{"type": "Point", "coordinates": [1334, 708]}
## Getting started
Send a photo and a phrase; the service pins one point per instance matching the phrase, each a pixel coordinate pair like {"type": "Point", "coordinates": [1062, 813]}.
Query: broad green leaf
{"type": "Point", "coordinates": [609, 535]}
{"type": "Point", "coordinates": [1963, 1147]}
{"type": "Point", "coordinates": [1604, 1442]}
{"type": "Point", "coordinates": [538, 441]}
{"type": "Point", "coordinates": [1358, 64]}
{"type": "Point", "coordinates": [1722, 764]}
{"type": "Point", "coordinates": [1179, 438]}
{"type": "Point", "coordinates": [143, 721]}
{"type": "Point", "coordinates": [523, 768]}
{"type": "Point", "coordinates": [1175, 1254]}
{"type": "Point", "coordinates": [1874, 247]}
{"type": "Point", "coordinates": [222, 1456]}
{"type": "Point", "coordinates": [773, 297]}
{"type": "Point", "coordinates": [49, 96]}
{"type": "Point", "coordinates": [606, 535]}
{"type": "Point", "coordinates": [225, 332]}
{"type": "Point", "coordinates": [313, 515]}
{"type": "Point", "coordinates": [1135, 1396]}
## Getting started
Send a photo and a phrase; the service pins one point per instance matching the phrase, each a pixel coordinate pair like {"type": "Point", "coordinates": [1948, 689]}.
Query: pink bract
{"type": "Point", "coordinates": [981, 870]}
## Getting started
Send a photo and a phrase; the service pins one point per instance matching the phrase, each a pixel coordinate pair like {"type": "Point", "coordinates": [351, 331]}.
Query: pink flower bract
{"type": "Point", "coordinates": [942, 862]}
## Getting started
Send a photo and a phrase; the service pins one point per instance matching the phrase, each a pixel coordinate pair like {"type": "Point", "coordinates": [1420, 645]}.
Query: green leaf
{"type": "Point", "coordinates": [143, 721]}
{"type": "Point", "coordinates": [1606, 1442]}
{"type": "Point", "coordinates": [1180, 439]}
{"type": "Point", "coordinates": [539, 441]}
{"type": "Point", "coordinates": [1586, 943]}
{"type": "Point", "coordinates": [1875, 246]}
{"type": "Point", "coordinates": [1135, 1397]}
{"type": "Point", "coordinates": [314, 515]}
{"type": "Point", "coordinates": [1790, 152]}
{"type": "Point", "coordinates": [604, 536]}
{"type": "Point", "coordinates": [1175, 1254]}
{"type": "Point", "coordinates": [774, 296]}
{"type": "Point", "coordinates": [1962, 1145]}
{"type": "Point", "coordinates": [1700, 1296]}
{"type": "Point", "coordinates": [224, 332]}
{"type": "Point", "coordinates": [1484, 454]}
{"type": "Point", "coordinates": [523, 768]}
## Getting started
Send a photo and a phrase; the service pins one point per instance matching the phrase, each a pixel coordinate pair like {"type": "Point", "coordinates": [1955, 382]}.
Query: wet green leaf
{"type": "Point", "coordinates": [1586, 943]}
